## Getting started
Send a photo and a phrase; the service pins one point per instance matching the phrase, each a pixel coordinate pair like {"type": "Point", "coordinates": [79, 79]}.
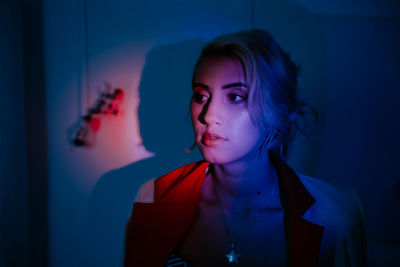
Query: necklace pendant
{"type": "Point", "coordinates": [233, 257]}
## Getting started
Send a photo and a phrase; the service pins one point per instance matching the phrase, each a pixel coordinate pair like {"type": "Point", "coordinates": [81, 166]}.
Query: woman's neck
{"type": "Point", "coordinates": [245, 185]}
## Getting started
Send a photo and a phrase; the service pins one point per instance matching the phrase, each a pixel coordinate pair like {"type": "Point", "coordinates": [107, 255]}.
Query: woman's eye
{"type": "Point", "coordinates": [235, 98]}
{"type": "Point", "coordinates": [199, 98]}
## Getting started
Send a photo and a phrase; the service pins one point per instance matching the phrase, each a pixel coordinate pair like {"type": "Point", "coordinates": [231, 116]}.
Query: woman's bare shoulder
{"type": "Point", "coordinates": [146, 192]}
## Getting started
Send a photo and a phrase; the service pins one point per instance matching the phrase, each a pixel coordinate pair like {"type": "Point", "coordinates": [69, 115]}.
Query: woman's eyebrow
{"type": "Point", "coordinates": [200, 85]}
{"type": "Point", "coordinates": [230, 85]}
{"type": "Point", "coordinates": [226, 86]}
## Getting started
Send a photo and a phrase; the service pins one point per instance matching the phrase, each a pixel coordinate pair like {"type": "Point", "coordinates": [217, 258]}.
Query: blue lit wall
{"type": "Point", "coordinates": [349, 54]}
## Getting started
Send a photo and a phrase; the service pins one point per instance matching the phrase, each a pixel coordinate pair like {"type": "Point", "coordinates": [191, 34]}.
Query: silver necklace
{"type": "Point", "coordinates": [233, 255]}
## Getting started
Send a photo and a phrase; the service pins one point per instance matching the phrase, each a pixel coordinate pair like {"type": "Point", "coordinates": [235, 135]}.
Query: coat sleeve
{"type": "Point", "coordinates": [145, 195]}
{"type": "Point", "coordinates": [345, 242]}
{"type": "Point", "coordinates": [356, 248]}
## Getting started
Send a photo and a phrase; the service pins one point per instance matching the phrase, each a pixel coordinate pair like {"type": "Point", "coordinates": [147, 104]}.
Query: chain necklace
{"type": "Point", "coordinates": [233, 255]}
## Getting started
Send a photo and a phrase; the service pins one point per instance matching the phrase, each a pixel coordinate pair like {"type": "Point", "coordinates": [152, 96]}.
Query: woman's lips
{"type": "Point", "coordinates": [212, 139]}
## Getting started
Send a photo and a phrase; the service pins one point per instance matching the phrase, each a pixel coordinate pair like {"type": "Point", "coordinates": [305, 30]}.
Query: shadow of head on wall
{"type": "Point", "coordinates": [165, 92]}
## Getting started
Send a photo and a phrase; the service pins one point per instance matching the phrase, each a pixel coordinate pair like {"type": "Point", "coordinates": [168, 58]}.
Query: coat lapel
{"type": "Point", "coordinates": [303, 237]}
{"type": "Point", "coordinates": [158, 227]}
{"type": "Point", "coordinates": [155, 231]}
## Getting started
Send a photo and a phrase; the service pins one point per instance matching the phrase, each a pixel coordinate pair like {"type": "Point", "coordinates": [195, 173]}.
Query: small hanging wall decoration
{"type": "Point", "coordinates": [107, 104]}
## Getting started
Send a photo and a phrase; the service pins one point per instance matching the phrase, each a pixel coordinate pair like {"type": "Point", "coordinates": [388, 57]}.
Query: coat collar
{"type": "Point", "coordinates": [158, 227]}
{"type": "Point", "coordinates": [303, 237]}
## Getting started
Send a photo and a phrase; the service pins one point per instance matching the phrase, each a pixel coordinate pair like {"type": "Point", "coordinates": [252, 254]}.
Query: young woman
{"type": "Point", "coordinates": [243, 205]}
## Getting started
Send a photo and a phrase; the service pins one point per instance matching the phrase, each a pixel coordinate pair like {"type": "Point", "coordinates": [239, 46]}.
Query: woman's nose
{"type": "Point", "coordinates": [210, 113]}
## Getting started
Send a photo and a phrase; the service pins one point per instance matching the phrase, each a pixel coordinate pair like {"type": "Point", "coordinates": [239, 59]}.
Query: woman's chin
{"type": "Point", "coordinates": [218, 159]}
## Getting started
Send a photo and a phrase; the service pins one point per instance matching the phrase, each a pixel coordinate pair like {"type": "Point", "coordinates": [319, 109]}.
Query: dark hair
{"type": "Point", "coordinates": [271, 76]}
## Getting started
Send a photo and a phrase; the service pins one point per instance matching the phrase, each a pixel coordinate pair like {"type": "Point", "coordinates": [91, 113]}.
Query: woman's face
{"type": "Point", "coordinates": [222, 125]}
